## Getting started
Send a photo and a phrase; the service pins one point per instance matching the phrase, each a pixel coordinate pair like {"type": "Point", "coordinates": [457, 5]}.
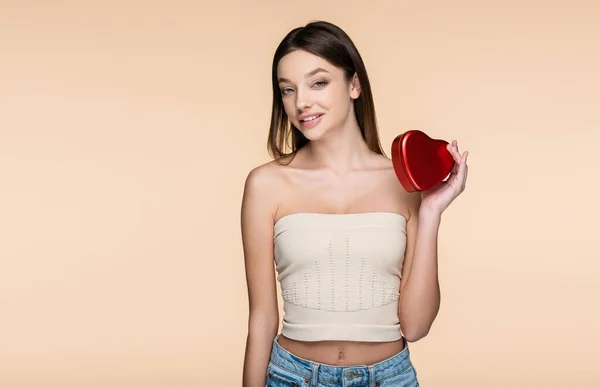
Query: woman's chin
{"type": "Point", "coordinates": [313, 134]}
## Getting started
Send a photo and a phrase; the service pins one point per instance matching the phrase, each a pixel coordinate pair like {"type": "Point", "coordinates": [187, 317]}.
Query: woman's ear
{"type": "Point", "coordinates": [354, 87]}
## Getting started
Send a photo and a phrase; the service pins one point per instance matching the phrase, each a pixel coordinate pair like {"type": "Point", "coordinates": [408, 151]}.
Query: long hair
{"type": "Point", "coordinates": [331, 43]}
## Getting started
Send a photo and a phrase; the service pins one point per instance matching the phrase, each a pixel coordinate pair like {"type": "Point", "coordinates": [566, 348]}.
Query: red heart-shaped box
{"type": "Point", "coordinates": [420, 162]}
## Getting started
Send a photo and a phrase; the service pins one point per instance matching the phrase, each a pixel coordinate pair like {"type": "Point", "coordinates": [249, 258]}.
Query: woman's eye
{"type": "Point", "coordinates": [317, 84]}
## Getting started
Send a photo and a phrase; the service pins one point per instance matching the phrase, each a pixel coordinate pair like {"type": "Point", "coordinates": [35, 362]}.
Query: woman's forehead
{"type": "Point", "coordinates": [302, 64]}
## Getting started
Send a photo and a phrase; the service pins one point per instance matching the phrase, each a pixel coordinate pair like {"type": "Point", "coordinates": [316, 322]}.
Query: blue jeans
{"type": "Point", "coordinates": [288, 370]}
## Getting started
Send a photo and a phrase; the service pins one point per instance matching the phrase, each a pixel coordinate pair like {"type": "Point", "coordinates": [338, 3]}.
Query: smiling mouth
{"type": "Point", "coordinates": [311, 118]}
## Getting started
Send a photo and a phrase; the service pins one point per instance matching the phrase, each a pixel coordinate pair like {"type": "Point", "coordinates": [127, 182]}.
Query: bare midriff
{"type": "Point", "coordinates": [342, 353]}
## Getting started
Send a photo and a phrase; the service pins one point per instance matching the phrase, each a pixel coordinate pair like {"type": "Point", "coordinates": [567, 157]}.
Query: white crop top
{"type": "Point", "coordinates": [340, 275]}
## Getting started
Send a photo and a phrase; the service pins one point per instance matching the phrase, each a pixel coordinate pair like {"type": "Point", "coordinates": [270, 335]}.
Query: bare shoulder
{"type": "Point", "coordinates": [408, 201]}
{"type": "Point", "coordinates": [262, 176]}
{"type": "Point", "coordinates": [266, 177]}
{"type": "Point", "coordinates": [261, 186]}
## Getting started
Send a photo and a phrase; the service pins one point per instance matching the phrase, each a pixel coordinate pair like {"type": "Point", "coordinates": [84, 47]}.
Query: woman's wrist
{"type": "Point", "coordinates": [428, 213]}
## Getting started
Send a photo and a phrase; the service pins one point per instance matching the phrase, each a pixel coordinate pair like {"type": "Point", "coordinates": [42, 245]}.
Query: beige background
{"type": "Point", "coordinates": [127, 129]}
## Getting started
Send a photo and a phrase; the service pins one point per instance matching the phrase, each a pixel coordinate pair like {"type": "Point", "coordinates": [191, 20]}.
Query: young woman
{"type": "Point", "coordinates": [355, 254]}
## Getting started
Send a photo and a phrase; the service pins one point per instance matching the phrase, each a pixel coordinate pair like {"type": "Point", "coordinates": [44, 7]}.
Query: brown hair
{"type": "Point", "coordinates": [332, 44]}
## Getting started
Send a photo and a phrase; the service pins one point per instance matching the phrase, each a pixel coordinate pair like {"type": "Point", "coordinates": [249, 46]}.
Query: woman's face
{"type": "Point", "coordinates": [316, 95]}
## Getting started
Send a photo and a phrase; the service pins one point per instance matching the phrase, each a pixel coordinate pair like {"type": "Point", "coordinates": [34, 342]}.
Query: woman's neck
{"type": "Point", "coordinates": [341, 150]}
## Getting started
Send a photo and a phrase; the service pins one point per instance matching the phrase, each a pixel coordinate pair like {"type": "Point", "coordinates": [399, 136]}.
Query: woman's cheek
{"type": "Point", "coordinates": [324, 99]}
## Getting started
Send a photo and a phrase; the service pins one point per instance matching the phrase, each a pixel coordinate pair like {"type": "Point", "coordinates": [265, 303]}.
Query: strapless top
{"type": "Point", "coordinates": [340, 275]}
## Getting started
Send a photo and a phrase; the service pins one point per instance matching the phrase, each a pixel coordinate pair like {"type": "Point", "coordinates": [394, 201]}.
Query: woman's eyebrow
{"type": "Point", "coordinates": [310, 74]}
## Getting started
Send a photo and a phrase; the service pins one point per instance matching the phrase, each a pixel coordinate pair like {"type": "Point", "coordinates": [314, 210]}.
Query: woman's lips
{"type": "Point", "coordinates": [311, 123]}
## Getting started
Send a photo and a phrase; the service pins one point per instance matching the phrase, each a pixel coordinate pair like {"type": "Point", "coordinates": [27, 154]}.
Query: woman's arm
{"type": "Point", "coordinates": [419, 289]}
{"type": "Point", "coordinates": [257, 237]}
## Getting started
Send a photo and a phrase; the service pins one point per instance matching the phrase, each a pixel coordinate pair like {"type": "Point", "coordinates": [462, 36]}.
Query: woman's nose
{"type": "Point", "coordinates": [302, 100]}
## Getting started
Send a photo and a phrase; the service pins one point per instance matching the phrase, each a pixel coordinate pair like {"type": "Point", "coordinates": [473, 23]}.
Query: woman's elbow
{"type": "Point", "coordinates": [412, 335]}
{"type": "Point", "coordinates": [262, 323]}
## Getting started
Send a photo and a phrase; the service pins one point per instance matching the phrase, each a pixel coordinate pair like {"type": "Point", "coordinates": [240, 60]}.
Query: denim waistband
{"type": "Point", "coordinates": [308, 369]}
